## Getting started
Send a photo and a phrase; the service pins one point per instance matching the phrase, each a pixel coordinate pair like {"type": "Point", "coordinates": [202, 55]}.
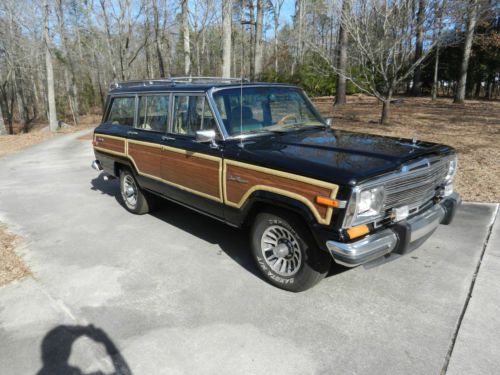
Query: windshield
{"type": "Point", "coordinates": [263, 109]}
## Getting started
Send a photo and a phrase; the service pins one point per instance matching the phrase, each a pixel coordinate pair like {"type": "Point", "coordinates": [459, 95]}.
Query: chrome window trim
{"type": "Point", "coordinates": [220, 134]}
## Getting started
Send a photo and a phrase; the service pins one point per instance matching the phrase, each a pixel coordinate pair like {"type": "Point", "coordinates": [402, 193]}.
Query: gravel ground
{"type": "Point", "coordinates": [11, 266]}
{"type": "Point", "coordinates": [473, 129]}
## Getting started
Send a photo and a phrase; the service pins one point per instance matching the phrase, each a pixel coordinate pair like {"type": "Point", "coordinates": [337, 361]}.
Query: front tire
{"type": "Point", "coordinates": [285, 252]}
{"type": "Point", "coordinates": [133, 197]}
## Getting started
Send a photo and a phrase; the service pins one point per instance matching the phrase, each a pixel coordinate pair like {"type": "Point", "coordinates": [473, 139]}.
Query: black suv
{"type": "Point", "coordinates": [260, 155]}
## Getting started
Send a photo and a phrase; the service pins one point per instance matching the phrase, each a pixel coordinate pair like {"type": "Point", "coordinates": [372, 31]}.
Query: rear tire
{"type": "Point", "coordinates": [286, 253]}
{"type": "Point", "coordinates": [133, 197]}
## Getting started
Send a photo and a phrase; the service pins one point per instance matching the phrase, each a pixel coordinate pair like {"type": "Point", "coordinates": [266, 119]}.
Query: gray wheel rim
{"type": "Point", "coordinates": [129, 191]}
{"type": "Point", "coordinates": [281, 250]}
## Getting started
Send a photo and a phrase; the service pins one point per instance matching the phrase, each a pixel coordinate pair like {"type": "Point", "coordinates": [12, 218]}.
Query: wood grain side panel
{"type": "Point", "coordinates": [111, 144]}
{"type": "Point", "coordinates": [147, 158]}
{"type": "Point", "coordinates": [193, 172]}
{"type": "Point", "coordinates": [235, 191]}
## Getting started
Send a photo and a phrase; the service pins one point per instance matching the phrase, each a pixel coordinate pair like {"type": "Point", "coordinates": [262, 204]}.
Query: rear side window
{"type": "Point", "coordinates": [122, 111]}
{"type": "Point", "coordinates": [153, 113]}
{"type": "Point", "coordinates": [192, 113]}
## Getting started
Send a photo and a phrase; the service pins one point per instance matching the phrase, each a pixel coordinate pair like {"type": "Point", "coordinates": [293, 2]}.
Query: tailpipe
{"type": "Point", "coordinates": [97, 165]}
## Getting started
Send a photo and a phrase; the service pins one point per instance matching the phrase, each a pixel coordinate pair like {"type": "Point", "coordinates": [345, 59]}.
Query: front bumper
{"type": "Point", "coordinates": [400, 238]}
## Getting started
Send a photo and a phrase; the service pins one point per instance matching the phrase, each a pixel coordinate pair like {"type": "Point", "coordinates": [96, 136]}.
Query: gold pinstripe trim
{"type": "Point", "coordinates": [322, 220]}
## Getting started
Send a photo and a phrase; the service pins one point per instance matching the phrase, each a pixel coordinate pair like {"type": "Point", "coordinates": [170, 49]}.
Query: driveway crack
{"type": "Point", "coordinates": [444, 369]}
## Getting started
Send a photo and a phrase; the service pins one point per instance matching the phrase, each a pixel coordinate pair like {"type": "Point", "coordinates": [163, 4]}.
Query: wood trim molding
{"type": "Point", "coordinates": [218, 198]}
{"type": "Point", "coordinates": [321, 218]}
{"type": "Point", "coordinates": [323, 215]}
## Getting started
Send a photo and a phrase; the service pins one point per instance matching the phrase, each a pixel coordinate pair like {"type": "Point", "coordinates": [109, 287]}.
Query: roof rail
{"type": "Point", "coordinates": [176, 80]}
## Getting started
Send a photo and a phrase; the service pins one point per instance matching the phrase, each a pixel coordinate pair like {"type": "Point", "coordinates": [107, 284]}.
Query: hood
{"type": "Point", "coordinates": [336, 156]}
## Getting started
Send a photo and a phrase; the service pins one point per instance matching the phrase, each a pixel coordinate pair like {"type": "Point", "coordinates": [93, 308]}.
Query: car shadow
{"type": "Point", "coordinates": [232, 241]}
{"type": "Point", "coordinates": [57, 345]}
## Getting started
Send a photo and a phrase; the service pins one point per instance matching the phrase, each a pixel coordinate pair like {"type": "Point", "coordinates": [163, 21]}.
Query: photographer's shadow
{"type": "Point", "coordinates": [57, 346]}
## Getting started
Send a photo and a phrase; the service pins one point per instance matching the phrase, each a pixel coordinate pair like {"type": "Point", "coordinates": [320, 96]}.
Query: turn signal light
{"type": "Point", "coordinates": [357, 231]}
{"type": "Point", "coordinates": [329, 202]}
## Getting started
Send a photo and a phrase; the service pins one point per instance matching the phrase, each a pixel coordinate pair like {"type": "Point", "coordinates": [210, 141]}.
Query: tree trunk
{"type": "Point", "coordinates": [159, 57]}
{"type": "Point", "coordinates": [21, 100]}
{"type": "Point", "coordinates": [227, 22]}
{"type": "Point", "coordinates": [419, 47]}
{"type": "Point", "coordinates": [186, 42]}
{"type": "Point", "coordinates": [69, 74]}
{"type": "Point", "coordinates": [251, 15]}
{"type": "Point", "coordinates": [259, 42]}
{"type": "Point", "coordinates": [276, 59]}
{"type": "Point", "coordinates": [3, 129]}
{"type": "Point", "coordinates": [471, 25]}
{"type": "Point", "coordinates": [386, 108]}
{"type": "Point", "coordinates": [434, 91]}
{"type": "Point", "coordinates": [50, 71]}
{"type": "Point", "coordinates": [340, 90]}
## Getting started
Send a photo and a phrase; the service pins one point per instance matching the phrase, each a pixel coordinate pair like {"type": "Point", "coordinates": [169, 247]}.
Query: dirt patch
{"type": "Point", "coordinates": [11, 266]}
{"type": "Point", "coordinates": [473, 129]}
{"type": "Point", "coordinates": [10, 144]}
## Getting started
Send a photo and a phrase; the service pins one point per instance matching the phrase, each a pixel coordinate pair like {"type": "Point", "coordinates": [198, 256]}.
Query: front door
{"type": "Point", "coordinates": [195, 169]}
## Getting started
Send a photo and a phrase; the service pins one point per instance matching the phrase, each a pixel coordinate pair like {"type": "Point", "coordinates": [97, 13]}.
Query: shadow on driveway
{"type": "Point", "coordinates": [57, 345]}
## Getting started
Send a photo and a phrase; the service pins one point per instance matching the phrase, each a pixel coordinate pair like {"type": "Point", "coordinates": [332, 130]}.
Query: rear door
{"type": "Point", "coordinates": [146, 138]}
{"type": "Point", "coordinates": [193, 169]}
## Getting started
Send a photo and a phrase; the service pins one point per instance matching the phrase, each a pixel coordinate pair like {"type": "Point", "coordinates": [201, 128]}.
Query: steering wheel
{"type": "Point", "coordinates": [285, 118]}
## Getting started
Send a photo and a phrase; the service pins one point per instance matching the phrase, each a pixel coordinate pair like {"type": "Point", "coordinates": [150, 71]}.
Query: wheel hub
{"type": "Point", "coordinates": [281, 250]}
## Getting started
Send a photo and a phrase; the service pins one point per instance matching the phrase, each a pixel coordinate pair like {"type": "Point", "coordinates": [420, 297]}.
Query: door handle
{"type": "Point", "coordinates": [130, 132]}
{"type": "Point", "coordinates": [166, 138]}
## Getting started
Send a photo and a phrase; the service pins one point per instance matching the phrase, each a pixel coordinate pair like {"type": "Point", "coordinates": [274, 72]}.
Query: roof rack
{"type": "Point", "coordinates": [176, 80]}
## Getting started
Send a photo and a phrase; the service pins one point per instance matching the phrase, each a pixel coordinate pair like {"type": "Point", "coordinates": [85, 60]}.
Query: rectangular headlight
{"type": "Point", "coordinates": [364, 206]}
{"type": "Point", "coordinates": [452, 169]}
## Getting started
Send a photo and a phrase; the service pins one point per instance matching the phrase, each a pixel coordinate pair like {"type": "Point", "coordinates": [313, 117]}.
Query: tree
{"type": "Point", "coordinates": [340, 90]}
{"type": "Point", "coordinates": [185, 37]}
{"type": "Point", "coordinates": [438, 26]}
{"type": "Point", "coordinates": [227, 24]}
{"type": "Point", "coordinates": [50, 71]}
{"type": "Point", "coordinates": [3, 129]}
{"type": "Point", "coordinates": [259, 42]}
{"type": "Point", "coordinates": [275, 6]}
{"type": "Point", "coordinates": [419, 48]}
{"type": "Point", "coordinates": [380, 48]}
{"type": "Point", "coordinates": [469, 36]}
{"type": "Point", "coordinates": [69, 66]}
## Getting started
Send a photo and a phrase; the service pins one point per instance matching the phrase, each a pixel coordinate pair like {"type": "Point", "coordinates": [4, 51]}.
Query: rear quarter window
{"type": "Point", "coordinates": [121, 111]}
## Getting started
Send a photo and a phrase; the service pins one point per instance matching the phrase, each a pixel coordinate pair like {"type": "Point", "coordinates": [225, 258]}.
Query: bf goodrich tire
{"type": "Point", "coordinates": [133, 197]}
{"type": "Point", "coordinates": [285, 252]}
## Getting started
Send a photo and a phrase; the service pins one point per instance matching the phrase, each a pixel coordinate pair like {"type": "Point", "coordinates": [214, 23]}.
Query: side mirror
{"type": "Point", "coordinates": [329, 121]}
{"type": "Point", "coordinates": [206, 136]}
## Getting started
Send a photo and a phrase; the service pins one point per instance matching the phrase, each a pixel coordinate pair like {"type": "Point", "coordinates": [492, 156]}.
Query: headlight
{"type": "Point", "coordinates": [364, 206]}
{"type": "Point", "coordinates": [452, 169]}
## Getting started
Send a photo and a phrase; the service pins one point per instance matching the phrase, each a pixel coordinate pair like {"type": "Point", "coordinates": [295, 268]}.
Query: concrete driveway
{"type": "Point", "coordinates": [176, 293]}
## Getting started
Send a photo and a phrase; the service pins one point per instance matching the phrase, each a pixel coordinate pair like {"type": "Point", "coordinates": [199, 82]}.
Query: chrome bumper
{"type": "Point", "coordinates": [388, 240]}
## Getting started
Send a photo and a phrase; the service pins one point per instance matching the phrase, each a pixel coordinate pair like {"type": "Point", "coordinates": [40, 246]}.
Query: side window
{"type": "Point", "coordinates": [122, 111]}
{"type": "Point", "coordinates": [153, 113]}
{"type": "Point", "coordinates": [192, 113]}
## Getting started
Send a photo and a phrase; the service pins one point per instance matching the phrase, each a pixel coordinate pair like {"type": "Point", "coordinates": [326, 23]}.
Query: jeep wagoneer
{"type": "Point", "coordinates": [260, 155]}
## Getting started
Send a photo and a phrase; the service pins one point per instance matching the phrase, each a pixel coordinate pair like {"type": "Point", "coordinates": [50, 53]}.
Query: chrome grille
{"type": "Point", "coordinates": [415, 187]}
